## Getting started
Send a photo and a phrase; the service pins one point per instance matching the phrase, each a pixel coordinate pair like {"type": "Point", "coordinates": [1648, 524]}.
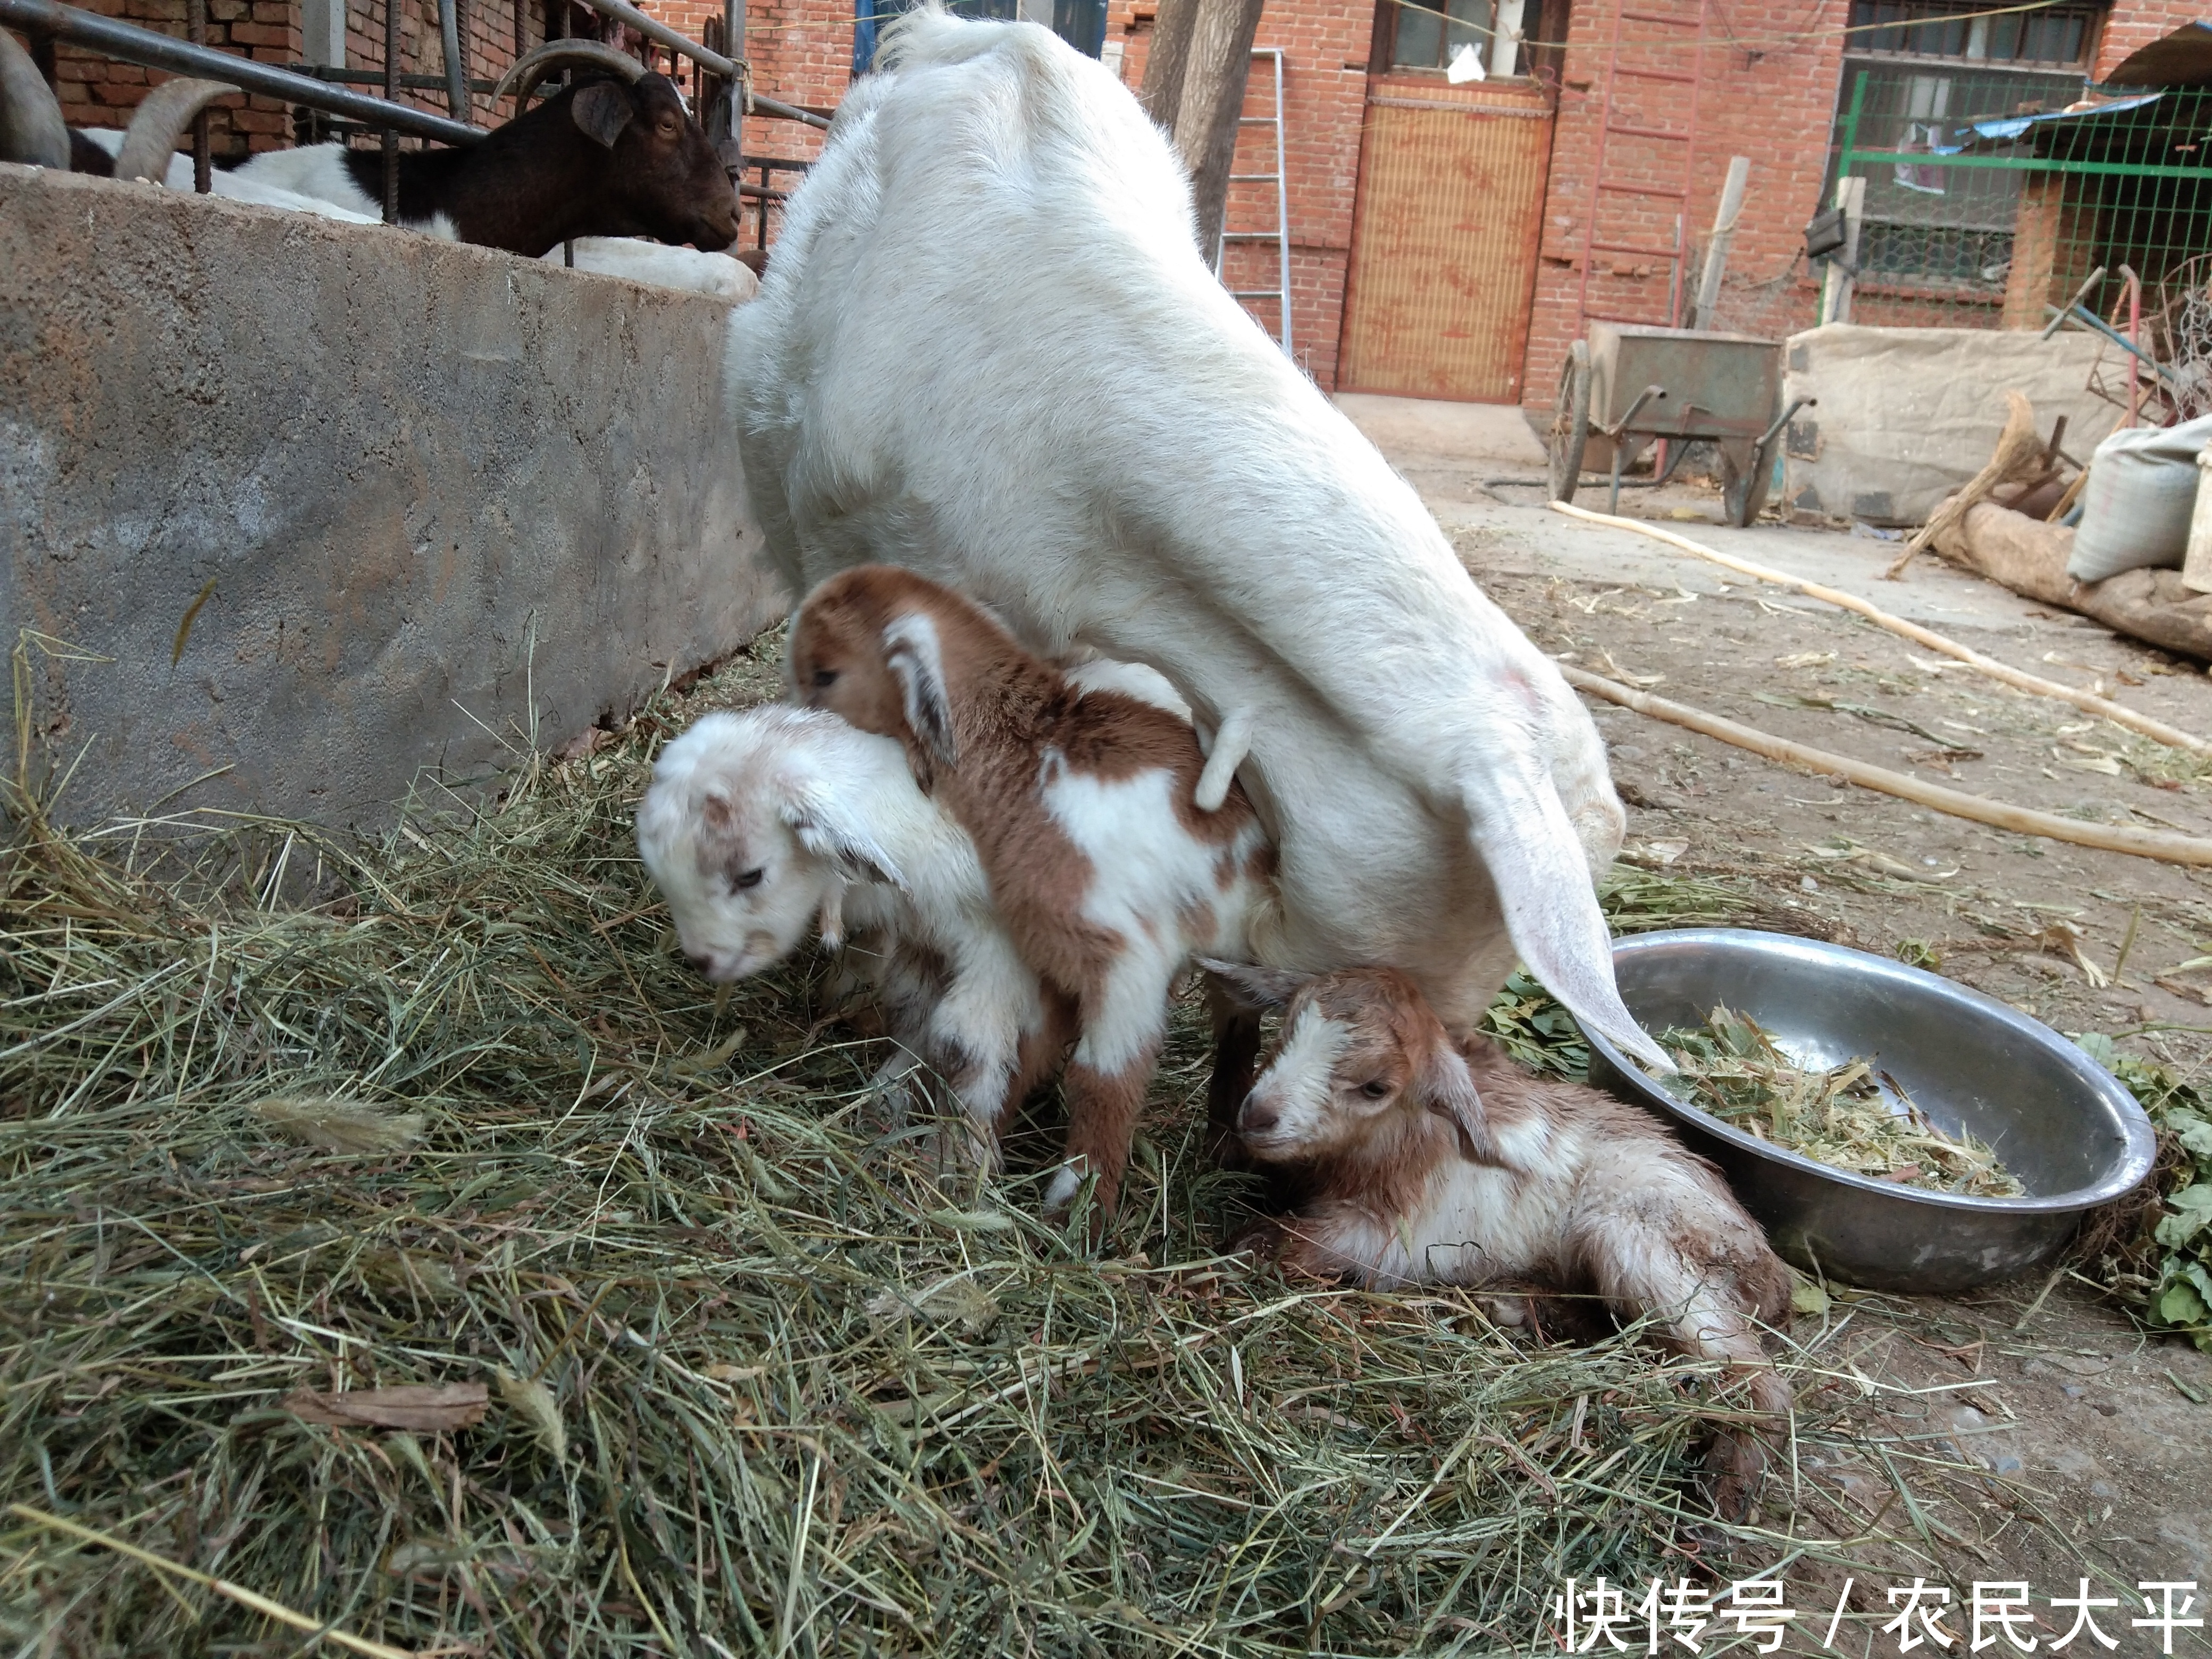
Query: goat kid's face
{"type": "Point", "coordinates": [1360, 1052]}
{"type": "Point", "coordinates": [667, 178]}
{"type": "Point", "coordinates": [746, 860]}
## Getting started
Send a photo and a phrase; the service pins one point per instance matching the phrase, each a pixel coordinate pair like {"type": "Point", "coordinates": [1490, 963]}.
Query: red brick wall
{"type": "Point", "coordinates": [1774, 101]}
{"type": "Point", "coordinates": [1324, 43]}
{"type": "Point", "coordinates": [2134, 24]}
{"type": "Point", "coordinates": [1771, 98]}
{"type": "Point", "coordinates": [801, 52]}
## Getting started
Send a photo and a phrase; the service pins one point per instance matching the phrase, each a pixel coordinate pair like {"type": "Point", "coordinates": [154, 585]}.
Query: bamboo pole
{"type": "Point", "coordinates": [2109, 837]}
{"type": "Point", "coordinates": [2173, 737]}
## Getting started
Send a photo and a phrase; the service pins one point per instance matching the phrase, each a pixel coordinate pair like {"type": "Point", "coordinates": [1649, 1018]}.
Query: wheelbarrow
{"type": "Point", "coordinates": [1634, 386]}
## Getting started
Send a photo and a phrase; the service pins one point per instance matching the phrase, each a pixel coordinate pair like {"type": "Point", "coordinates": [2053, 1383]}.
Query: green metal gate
{"type": "Point", "coordinates": [1985, 206]}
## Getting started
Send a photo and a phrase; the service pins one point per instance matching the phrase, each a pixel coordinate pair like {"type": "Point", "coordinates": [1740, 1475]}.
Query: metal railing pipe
{"type": "Point", "coordinates": [713, 62]}
{"type": "Point", "coordinates": [457, 69]}
{"type": "Point", "coordinates": [163, 52]}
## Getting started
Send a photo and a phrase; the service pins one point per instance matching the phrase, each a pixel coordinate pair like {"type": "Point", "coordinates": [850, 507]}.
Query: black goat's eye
{"type": "Point", "coordinates": [749, 879]}
{"type": "Point", "coordinates": [1376, 1089]}
{"type": "Point", "coordinates": [824, 676]}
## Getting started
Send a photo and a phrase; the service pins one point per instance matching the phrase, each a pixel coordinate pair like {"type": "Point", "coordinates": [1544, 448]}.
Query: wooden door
{"type": "Point", "coordinates": [1443, 244]}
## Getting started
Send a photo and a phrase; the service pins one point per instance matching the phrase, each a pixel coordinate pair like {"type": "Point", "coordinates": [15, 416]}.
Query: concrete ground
{"type": "Point", "coordinates": [2091, 1446]}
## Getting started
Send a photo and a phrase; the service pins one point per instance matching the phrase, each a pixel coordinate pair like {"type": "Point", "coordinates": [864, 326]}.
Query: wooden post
{"type": "Point", "coordinates": [1212, 106]}
{"type": "Point", "coordinates": [1716, 247]}
{"type": "Point", "coordinates": [1843, 269]}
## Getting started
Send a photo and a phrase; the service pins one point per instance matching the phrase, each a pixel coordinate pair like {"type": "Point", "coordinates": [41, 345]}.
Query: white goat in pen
{"type": "Point", "coordinates": [987, 348]}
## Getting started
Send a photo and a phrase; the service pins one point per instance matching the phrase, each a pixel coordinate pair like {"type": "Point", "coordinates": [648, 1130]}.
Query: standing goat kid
{"type": "Point", "coordinates": [759, 823]}
{"type": "Point", "coordinates": [1106, 873]}
{"type": "Point", "coordinates": [1421, 1159]}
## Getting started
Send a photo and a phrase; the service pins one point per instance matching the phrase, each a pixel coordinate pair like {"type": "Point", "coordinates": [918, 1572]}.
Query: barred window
{"type": "Point", "coordinates": [1081, 23]}
{"type": "Point", "coordinates": [1931, 73]}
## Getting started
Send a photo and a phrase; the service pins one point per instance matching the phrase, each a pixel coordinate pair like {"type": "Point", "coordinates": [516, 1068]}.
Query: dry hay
{"type": "Point", "coordinates": [692, 1363]}
{"type": "Point", "coordinates": [1851, 1116]}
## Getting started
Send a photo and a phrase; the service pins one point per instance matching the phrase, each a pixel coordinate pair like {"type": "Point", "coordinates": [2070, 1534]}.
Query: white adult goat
{"type": "Point", "coordinates": [987, 348]}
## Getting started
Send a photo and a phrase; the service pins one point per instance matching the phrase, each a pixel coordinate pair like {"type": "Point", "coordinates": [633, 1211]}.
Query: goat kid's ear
{"type": "Point", "coordinates": [601, 111]}
{"type": "Point", "coordinates": [826, 830]}
{"type": "Point", "coordinates": [910, 651]}
{"type": "Point", "coordinates": [1446, 1088]}
{"type": "Point", "coordinates": [1255, 987]}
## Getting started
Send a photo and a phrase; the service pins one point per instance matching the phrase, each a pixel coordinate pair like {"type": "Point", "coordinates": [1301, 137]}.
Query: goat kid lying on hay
{"type": "Point", "coordinates": [1414, 1158]}
{"type": "Point", "coordinates": [1163, 486]}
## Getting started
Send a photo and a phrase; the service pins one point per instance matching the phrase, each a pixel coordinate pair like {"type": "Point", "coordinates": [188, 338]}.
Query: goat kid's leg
{"type": "Point", "coordinates": [976, 1043]}
{"type": "Point", "coordinates": [1642, 1268]}
{"type": "Point", "coordinates": [1236, 1069]}
{"type": "Point", "coordinates": [1124, 1022]}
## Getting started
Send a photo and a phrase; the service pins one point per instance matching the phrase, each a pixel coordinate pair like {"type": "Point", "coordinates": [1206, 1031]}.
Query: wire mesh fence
{"type": "Point", "coordinates": [1992, 198]}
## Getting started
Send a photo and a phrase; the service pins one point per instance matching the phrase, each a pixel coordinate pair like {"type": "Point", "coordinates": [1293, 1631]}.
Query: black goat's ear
{"type": "Point", "coordinates": [601, 111]}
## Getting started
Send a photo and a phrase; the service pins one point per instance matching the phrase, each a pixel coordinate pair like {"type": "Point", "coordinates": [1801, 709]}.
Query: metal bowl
{"type": "Point", "coordinates": [2067, 1128]}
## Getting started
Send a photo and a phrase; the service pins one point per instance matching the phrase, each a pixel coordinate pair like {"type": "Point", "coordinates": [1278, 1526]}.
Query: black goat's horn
{"type": "Point", "coordinates": [158, 122]}
{"type": "Point", "coordinates": [530, 69]}
{"type": "Point", "coordinates": [31, 127]}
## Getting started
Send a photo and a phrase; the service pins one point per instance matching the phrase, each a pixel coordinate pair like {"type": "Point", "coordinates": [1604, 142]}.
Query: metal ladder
{"type": "Point", "coordinates": [1670, 151]}
{"type": "Point", "coordinates": [1280, 235]}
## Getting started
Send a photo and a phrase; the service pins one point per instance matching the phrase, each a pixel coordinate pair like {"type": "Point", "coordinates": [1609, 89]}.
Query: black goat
{"type": "Point", "coordinates": [616, 154]}
{"type": "Point", "coordinates": [608, 157]}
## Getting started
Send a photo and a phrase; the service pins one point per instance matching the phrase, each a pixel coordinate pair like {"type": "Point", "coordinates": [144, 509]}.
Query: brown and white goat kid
{"type": "Point", "coordinates": [1420, 1158]}
{"type": "Point", "coordinates": [1107, 875]}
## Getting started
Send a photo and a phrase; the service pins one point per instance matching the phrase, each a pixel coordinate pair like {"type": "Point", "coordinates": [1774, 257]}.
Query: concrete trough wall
{"type": "Point", "coordinates": [436, 488]}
